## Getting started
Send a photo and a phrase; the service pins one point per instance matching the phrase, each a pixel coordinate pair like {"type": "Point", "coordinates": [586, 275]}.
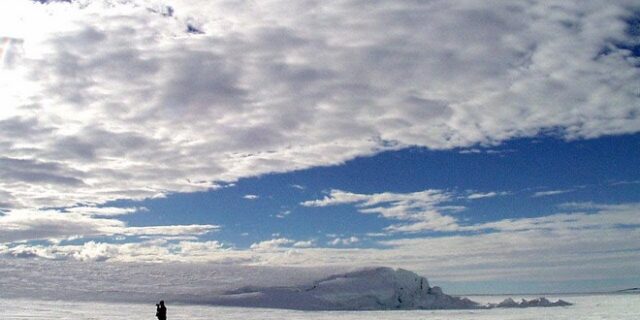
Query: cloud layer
{"type": "Point", "coordinates": [116, 99]}
{"type": "Point", "coordinates": [596, 242]}
{"type": "Point", "coordinates": [55, 225]}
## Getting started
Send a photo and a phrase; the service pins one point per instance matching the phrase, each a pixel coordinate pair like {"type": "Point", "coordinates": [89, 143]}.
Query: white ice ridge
{"type": "Point", "coordinates": [378, 288]}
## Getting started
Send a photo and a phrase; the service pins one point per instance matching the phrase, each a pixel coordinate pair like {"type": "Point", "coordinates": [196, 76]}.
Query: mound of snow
{"type": "Point", "coordinates": [367, 289]}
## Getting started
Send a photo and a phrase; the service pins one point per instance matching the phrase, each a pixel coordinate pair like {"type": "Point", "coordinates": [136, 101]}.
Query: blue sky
{"type": "Point", "coordinates": [489, 146]}
{"type": "Point", "coordinates": [537, 176]}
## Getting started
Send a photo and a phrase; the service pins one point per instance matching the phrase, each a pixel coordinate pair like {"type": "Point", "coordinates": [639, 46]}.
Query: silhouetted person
{"type": "Point", "coordinates": [161, 311]}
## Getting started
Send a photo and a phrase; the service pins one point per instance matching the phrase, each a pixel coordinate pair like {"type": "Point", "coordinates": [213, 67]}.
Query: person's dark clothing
{"type": "Point", "coordinates": [161, 312]}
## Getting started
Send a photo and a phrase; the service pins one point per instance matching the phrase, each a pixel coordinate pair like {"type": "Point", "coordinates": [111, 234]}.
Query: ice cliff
{"type": "Point", "coordinates": [367, 289]}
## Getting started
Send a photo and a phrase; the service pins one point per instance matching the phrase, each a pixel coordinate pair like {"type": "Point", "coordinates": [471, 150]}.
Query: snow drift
{"type": "Point", "coordinates": [367, 289]}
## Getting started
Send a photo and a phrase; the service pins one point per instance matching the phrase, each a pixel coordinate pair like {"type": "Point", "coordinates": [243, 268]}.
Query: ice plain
{"type": "Point", "coordinates": [592, 306]}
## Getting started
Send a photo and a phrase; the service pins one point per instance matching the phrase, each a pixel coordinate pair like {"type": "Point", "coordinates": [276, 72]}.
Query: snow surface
{"type": "Point", "coordinates": [587, 307]}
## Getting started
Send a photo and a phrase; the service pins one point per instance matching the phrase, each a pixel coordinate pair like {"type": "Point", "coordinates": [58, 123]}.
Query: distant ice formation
{"type": "Point", "coordinates": [367, 289]}
{"type": "Point", "coordinates": [539, 302]}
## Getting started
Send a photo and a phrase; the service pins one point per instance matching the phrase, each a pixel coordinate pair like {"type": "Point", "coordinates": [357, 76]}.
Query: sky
{"type": "Point", "coordinates": [490, 146]}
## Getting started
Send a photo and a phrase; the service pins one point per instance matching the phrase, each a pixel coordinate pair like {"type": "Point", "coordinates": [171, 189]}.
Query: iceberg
{"type": "Point", "coordinates": [380, 288]}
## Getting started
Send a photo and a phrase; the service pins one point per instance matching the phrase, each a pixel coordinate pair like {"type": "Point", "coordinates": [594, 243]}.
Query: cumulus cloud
{"type": "Point", "coordinates": [344, 241]}
{"type": "Point", "coordinates": [117, 100]}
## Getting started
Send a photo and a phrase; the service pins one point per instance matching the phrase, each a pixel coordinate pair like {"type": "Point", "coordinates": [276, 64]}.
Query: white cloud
{"type": "Point", "coordinates": [283, 214]}
{"type": "Point", "coordinates": [22, 224]}
{"type": "Point", "coordinates": [624, 182]}
{"type": "Point", "coordinates": [423, 210]}
{"type": "Point", "coordinates": [481, 195]}
{"type": "Point", "coordinates": [104, 211]}
{"type": "Point", "coordinates": [336, 197]}
{"type": "Point", "coordinates": [486, 151]}
{"type": "Point", "coordinates": [251, 196]}
{"type": "Point", "coordinates": [146, 251]}
{"type": "Point", "coordinates": [174, 230]}
{"type": "Point", "coordinates": [344, 241]}
{"type": "Point", "coordinates": [550, 193]}
{"type": "Point", "coordinates": [430, 220]}
{"type": "Point", "coordinates": [271, 244]}
{"type": "Point", "coordinates": [304, 244]}
{"type": "Point", "coordinates": [608, 217]}
{"type": "Point", "coordinates": [114, 100]}
{"type": "Point", "coordinates": [18, 225]}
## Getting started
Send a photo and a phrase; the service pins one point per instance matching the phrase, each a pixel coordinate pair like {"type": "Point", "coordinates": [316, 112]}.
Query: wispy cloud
{"type": "Point", "coordinates": [423, 210]}
{"type": "Point", "coordinates": [251, 196]}
{"type": "Point", "coordinates": [104, 211]}
{"type": "Point", "coordinates": [486, 151]}
{"type": "Point", "coordinates": [551, 193]}
{"type": "Point", "coordinates": [625, 182]}
{"type": "Point", "coordinates": [283, 214]}
{"type": "Point", "coordinates": [481, 195]}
